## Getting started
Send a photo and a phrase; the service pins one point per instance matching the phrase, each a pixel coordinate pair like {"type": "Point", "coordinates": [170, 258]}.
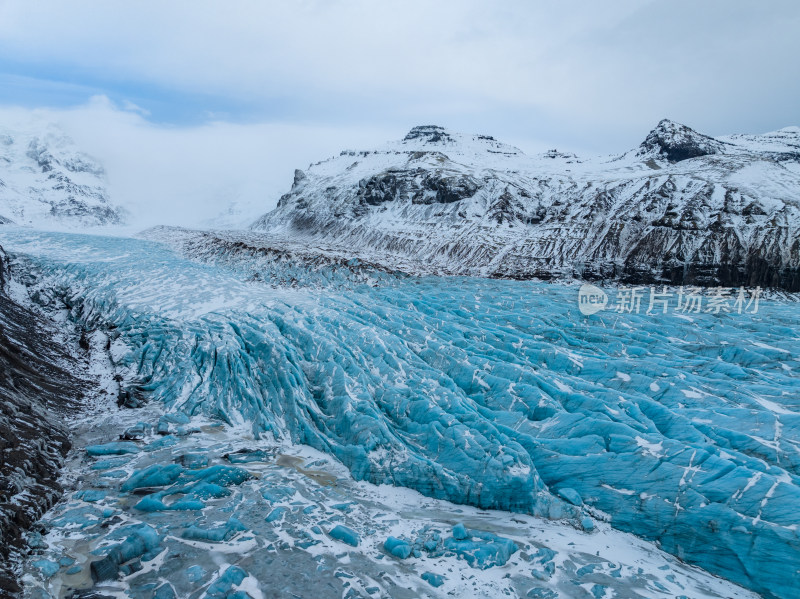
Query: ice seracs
{"type": "Point", "coordinates": [492, 393]}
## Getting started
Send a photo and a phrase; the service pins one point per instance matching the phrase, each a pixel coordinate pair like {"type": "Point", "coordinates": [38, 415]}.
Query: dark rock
{"type": "Point", "coordinates": [105, 569]}
{"type": "Point", "coordinates": [447, 189]}
{"type": "Point", "coordinates": [428, 134]}
{"type": "Point", "coordinates": [35, 379]}
{"type": "Point", "coordinates": [133, 397]}
{"type": "Point", "coordinates": [677, 142]}
{"type": "Point", "coordinates": [379, 189]}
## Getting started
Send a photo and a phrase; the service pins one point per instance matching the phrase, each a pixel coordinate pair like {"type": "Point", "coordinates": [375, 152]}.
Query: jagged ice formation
{"type": "Point", "coordinates": [682, 430]}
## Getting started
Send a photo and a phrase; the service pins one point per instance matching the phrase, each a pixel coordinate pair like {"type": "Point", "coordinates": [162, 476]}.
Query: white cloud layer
{"type": "Point", "coordinates": [721, 65]}
{"type": "Point", "coordinates": [192, 175]}
{"type": "Point", "coordinates": [285, 83]}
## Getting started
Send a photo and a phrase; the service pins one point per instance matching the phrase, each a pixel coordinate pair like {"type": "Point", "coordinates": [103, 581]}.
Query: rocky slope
{"type": "Point", "coordinates": [37, 388]}
{"type": "Point", "coordinates": [46, 180]}
{"type": "Point", "coordinates": [682, 208]}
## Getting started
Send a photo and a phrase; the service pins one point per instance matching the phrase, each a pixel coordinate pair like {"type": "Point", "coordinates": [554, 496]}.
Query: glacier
{"type": "Point", "coordinates": [478, 394]}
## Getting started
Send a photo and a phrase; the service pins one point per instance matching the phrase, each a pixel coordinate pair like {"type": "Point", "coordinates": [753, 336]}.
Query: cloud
{"type": "Point", "coordinates": [131, 107]}
{"type": "Point", "coordinates": [192, 175]}
{"type": "Point", "coordinates": [578, 73]}
{"type": "Point", "coordinates": [213, 103]}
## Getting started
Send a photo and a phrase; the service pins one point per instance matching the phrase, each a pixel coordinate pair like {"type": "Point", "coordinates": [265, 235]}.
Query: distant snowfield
{"type": "Point", "coordinates": [396, 406]}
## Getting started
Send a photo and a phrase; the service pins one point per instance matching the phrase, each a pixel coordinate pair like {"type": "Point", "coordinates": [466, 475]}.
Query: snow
{"type": "Point", "coordinates": [654, 449]}
{"type": "Point", "coordinates": [46, 181]}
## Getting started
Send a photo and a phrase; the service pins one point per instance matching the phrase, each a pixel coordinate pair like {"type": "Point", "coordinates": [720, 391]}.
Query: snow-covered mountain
{"type": "Point", "coordinates": [46, 180]}
{"type": "Point", "coordinates": [681, 208]}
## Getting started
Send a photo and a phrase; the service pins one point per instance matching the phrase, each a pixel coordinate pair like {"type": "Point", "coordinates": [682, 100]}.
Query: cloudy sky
{"type": "Point", "coordinates": [223, 99]}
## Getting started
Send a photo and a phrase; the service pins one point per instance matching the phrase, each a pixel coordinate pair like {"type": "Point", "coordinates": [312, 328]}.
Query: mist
{"type": "Point", "coordinates": [215, 174]}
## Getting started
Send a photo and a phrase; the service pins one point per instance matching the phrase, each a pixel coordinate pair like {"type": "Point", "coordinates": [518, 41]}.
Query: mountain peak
{"type": "Point", "coordinates": [677, 142]}
{"type": "Point", "coordinates": [428, 134]}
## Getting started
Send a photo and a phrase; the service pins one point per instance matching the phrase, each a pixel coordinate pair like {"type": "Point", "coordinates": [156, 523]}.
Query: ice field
{"type": "Point", "coordinates": [394, 436]}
